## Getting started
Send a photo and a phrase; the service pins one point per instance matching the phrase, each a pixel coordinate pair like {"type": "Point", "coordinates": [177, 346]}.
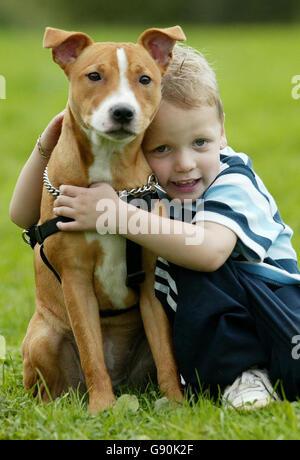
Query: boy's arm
{"type": "Point", "coordinates": [25, 204]}
{"type": "Point", "coordinates": [202, 247]}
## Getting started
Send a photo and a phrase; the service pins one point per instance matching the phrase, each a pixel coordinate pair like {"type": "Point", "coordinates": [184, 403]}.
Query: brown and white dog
{"type": "Point", "coordinates": [115, 91]}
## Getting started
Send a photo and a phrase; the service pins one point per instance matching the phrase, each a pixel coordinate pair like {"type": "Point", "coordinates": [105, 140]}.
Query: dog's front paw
{"type": "Point", "coordinates": [175, 396]}
{"type": "Point", "coordinates": [171, 388]}
{"type": "Point", "coordinates": [100, 402]}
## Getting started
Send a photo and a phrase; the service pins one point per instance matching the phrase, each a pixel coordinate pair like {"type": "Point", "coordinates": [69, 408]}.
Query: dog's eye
{"type": "Point", "coordinates": [94, 76]}
{"type": "Point", "coordinates": [145, 80]}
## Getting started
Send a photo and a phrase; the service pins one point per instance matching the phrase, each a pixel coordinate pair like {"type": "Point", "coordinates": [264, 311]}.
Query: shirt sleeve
{"type": "Point", "coordinates": [237, 201]}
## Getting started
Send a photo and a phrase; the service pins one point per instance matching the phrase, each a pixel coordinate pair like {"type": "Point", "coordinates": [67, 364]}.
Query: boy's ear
{"type": "Point", "coordinates": [223, 135]}
{"type": "Point", "coordinates": [66, 46]}
{"type": "Point", "coordinates": [160, 43]}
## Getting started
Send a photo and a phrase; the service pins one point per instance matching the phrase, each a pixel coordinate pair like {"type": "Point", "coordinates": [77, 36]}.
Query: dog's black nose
{"type": "Point", "coordinates": [122, 113]}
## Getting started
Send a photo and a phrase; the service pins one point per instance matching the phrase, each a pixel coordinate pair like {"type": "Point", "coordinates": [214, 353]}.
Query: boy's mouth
{"type": "Point", "coordinates": [187, 185]}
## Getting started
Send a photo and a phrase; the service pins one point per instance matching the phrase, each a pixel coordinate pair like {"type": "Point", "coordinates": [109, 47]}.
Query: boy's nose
{"type": "Point", "coordinates": [184, 162]}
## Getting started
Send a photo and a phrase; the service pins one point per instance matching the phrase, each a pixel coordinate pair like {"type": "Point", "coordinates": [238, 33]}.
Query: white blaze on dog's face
{"type": "Point", "coordinates": [120, 111]}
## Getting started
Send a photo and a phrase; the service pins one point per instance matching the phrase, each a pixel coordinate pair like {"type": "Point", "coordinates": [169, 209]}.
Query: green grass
{"type": "Point", "coordinates": [67, 418]}
{"type": "Point", "coordinates": [254, 66]}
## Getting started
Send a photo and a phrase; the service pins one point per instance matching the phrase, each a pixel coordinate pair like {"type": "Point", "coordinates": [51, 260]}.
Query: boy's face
{"type": "Point", "coordinates": [182, 146]}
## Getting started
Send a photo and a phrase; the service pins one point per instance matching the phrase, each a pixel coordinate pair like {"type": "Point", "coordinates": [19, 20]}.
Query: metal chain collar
{"type": "Point", "coordinates": [152, 184]}
{"type": "Point", "coordinates": [54, 191]}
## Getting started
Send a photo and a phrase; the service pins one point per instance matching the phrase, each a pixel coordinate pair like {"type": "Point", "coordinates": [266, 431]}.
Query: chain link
{"type": "Point", "coordinates": [152, 185]}
{"type": "Point", "coordinates": [54, 191]}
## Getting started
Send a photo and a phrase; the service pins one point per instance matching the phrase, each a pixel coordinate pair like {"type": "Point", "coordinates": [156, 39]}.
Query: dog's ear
{"type": "Point", "coordinates": [160, 43]}
{"type": "Point", "coordinates": [66, 46]}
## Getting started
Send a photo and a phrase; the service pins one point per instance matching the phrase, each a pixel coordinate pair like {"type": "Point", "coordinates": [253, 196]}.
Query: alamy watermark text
{"type": "Point", "coordinates": [2, 87]}
{"type": "Point", "coordinates": [296, 88]}
{"type": "Point", "coordinates": [131, 221]}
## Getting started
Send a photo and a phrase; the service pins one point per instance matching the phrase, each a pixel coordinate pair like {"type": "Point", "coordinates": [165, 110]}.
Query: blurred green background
{"type": "Point", "coordinates": [253, 47]}
{"type": "Point", "coordinates": [70, 12]}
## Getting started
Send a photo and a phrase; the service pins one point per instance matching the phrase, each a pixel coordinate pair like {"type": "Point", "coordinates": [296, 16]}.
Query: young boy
{"type": "Point", "coordinates": [233, 299]}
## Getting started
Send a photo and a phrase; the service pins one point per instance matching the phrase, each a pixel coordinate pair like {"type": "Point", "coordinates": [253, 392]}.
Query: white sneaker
{"type": "Point", "coordinates": [251, 390]}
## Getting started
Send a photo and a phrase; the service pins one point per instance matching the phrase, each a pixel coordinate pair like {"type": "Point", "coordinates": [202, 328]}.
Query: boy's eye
{"type": "Point", "coordinates": [161, 149]}
{"type": "Point", "coordinates": [199, 142]}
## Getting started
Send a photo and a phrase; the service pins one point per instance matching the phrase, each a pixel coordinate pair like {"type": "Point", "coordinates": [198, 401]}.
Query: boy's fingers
{"type": "Point", "coordinates": [59, 119]}
{"type": "Point", "coordinates": [68, 226]}
{"type": "Point", "coordinates": [64, 211]}
{"type": "Point", "coordinates": [69, 190]}
{"type": "Point", "coordinates": [63, 200]}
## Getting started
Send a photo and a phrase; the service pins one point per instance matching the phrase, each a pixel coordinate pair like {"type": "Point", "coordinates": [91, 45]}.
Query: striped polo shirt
{"type": "Point", "coordinates": [239, 200]}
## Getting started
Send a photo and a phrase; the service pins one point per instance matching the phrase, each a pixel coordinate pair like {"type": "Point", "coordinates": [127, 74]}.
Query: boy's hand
{"type": "Point", "coordinates": [79, 203]}
{"type": "Point", "coordinates": [50, 135]}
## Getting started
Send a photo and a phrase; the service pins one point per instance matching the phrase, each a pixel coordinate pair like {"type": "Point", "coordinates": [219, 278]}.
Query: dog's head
{"type": "Point", "coordinates": [115, 88]}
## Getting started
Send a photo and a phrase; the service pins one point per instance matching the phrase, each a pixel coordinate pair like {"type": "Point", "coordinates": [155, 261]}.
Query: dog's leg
{"type": "Point", "coordinates": [159, 334]}
{"type": "Point", "coordinates": [45, 354]}
{"type": "Point", "coordinates": [83, 310]}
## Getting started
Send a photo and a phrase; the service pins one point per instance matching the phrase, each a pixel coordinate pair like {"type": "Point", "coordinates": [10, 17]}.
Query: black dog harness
{"type": "Point", "coordinates": [37, 234]}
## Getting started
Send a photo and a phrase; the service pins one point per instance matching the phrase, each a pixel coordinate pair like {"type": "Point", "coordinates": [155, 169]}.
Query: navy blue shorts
{"type": "Point", "coordinates": [228, 321]}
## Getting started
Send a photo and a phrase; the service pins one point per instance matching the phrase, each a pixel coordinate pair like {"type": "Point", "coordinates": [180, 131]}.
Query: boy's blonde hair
{"type": "Point", "coordinates": [190, 80]}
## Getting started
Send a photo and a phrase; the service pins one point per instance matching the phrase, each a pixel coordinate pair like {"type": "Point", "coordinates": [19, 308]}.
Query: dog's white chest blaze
{"type": "Point", "coordinates": [100, 170]}
{"type": "Point", "coordinates": [112, 273]}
